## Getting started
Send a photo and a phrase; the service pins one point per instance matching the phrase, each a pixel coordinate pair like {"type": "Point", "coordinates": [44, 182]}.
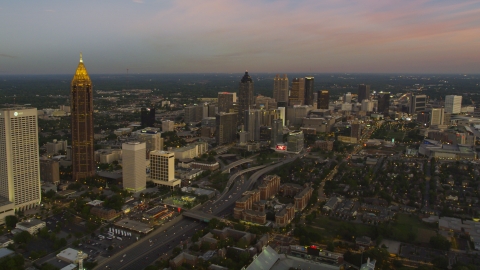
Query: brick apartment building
{"type": "Point", "coordinates": [269, 186]}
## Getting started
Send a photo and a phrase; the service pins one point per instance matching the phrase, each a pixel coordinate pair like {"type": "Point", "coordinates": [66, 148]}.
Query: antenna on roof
{"type": "Point", "coordinates": [81, 58]}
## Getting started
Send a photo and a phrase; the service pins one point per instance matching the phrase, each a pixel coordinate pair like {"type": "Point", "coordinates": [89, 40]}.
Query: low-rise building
{"type": "Point", "coordinates": [32, 225]}
{"type": "Point", "coordinates": [104, 213]}
{"type": "Point", "coordinates": [71, 255]}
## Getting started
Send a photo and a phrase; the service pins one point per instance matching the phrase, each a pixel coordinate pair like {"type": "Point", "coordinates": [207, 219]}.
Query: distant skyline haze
{"type": "Point", "coordinates": [159, 36]}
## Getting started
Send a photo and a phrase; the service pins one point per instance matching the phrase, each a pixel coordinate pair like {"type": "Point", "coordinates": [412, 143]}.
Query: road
{"type": "Point", "coordinates": [156, 244]}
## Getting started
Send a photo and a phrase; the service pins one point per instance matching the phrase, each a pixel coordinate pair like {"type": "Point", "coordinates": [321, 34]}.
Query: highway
{"type": "Point", "coordinates": [156, 244]}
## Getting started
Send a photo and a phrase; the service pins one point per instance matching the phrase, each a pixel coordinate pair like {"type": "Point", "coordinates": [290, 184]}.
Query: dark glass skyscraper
{"type": "Point", "coordinates": [81, 98]}
{"type": "Point", "coordinates": [309, 89]}
{"type": "Point", "coordinates": [245, 97]}
{"type": "Point", "coordinates": [383, 102]}
{"type": "Point", "coordinates": [323, 99]}
{"type": "Point", "coordinates": [147, 117]}
{"type": "Point", "coordinates": [363, 92]}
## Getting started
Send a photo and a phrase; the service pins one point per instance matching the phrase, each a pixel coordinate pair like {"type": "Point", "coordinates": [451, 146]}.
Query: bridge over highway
{"type": "Point", "coordinates": [232, 165]}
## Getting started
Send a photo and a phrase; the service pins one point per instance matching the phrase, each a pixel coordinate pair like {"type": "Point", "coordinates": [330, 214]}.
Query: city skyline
{"type": "Point", "coordinates": [229, 36]}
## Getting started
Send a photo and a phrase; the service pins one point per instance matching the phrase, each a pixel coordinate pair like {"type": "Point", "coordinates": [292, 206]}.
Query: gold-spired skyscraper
{"type": "Point", "coordinates": [81, 98]}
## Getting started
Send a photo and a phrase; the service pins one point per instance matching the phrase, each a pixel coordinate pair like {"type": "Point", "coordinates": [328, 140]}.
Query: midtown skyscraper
{"type": "Point", "coordinates": [309, 89]}
{"type": "Point", "coordinates": [245, 97]}
{"type": "Point", "coordinates": [280, 88]}
{"type": "Point", "coordinates": [323, 99]}
{"type": "Point", "coordinates": [19, 161]}
{"type": "Point", "coordinates": [81, 98]}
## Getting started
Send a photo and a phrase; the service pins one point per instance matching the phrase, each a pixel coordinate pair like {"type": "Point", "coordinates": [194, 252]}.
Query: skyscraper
{"type": "Point", "coordinates": [226, 124]}
{"type": "Point", "coordinates": [417, 103]}
{"type": "Point", "coordinates": [134, 166]}
{"type": "Point", "coordinates": [383, 102]}
{"type": "Point", "coordinates": [277, 132]}
{"type": "Point", "coordinates": [309, 89]}
{"type": "Point", "coordinates": [323, 99]}
{"type": "Point", "coordinates": [280, 88]}
{"type": "Point", "coordinates": [147, 117]}
{"type": "Point", "coordinates": [81, 97]}
{"type": "Point", "coordinates": [225, 101]}
{"type": "Point", "coordinates": [19, 160]}
{"type": "Point", "coordinates": [437, 116]}
{"type": "Point", "coordinates": [453, 104]}
{"type": "Point", "coordinates": [363, 92]}
{"type": "Point", "coordinates": [245, 96]}
{"type": "Point", "coordinates": [162, 168]}
{"type": "Point", "coordinates": [297, 93]}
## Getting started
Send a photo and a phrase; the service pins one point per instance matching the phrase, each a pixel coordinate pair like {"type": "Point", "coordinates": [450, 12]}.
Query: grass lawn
{"type": "Point", "coordinates": [330, 228]}
{"type": "Point", "coordinates": [406, 224]}
{"type": "Point", "coordinates": [397, 135]}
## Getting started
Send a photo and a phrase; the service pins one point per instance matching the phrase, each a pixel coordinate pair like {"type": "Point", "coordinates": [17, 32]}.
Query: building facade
{"type": "Point", "coordinates": [383, 102]}
{"type": "Point", "coordinates": [134, 166]}
{"type": "Point", "coordinates": [280, 88]}
{"type": "Point", "coordinates": [19, 161]}
{"type": "Point", "coordinates": [363, 92]}
{"type": "Point", "coordinates": [437, 117]}
{"type": "Point", "coordinates": [226, 101]}
{"type": "Point", "coordinates": [49, 171]}
{"type": "Point", "coordinates": [147, 117]}
{"type": "Point", "coordinates": [323, 99]}
{"type": "Point", "coordinates": [226, 128]}
{"type": "Point", "coordinates": [453, 104]}
{"type": "Point", "coordinates": [417, 103]}
{"type": "Point", "coordinates": [309, 90]}
{"type": "Point", "coordinates": [245, 96]}
{"type": "Point", "coordinates": [81, 98]}
{"type": "Point", "coordinates": [297, 92]}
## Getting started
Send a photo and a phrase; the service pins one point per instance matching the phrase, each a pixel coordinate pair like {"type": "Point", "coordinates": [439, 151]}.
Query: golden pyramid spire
{"type": "Point", "coordinates": [81, 73]}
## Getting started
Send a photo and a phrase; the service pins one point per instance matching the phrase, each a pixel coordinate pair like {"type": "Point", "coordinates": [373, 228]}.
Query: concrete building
{"type": "Point", "coordinates": [295, 141]}
{"type": "Point", "coordinates": [152, 139]}
{"type": "Point", "coordinates": [296, 114]}
{"type": "Point", "coordinates": [134, 166]}
{"type": "Point", "coordinates": [280, 88]}
{"type": "Point", "coordinates": [56, 146]}
{"type": "Point", "coordinates": [226, 101]}
{"type": "Point", "coordinates": [71, 255]}
{"type": "Point", "coordinates": [193, 114]}
{"type": "Point", "coordinates": [7, 208]}
{"type": "Point", "coordinates": [324, 145]}
{"type": "Point", "coordinates": [49, 170]}
{"type": "Point", "coordinates": [32, 225]}
{"type": "Point", "coordinates": [431, 148]}
{"type": "Point", "coordinates": [347, 98]}
{"type": "Point", "coordinates": [437, 117]}
{"type": "Point", "coordinates": [265, 103]}
{"type": "Point", "coordinates": [147, 117]}
{"type": "Point", "coordinates": [367, 105]}
{"type": "Point", "coordinates": [453, 104]}
{"type": "Point", "coordinates": [417, 103]}
{"type": "Point", "coordinates": [226, 128]}
{"type": "Point", "coordinates": [168, 125]}
{"type": "Point", "coordinates": [162, 169]}
{"type": "Point", "coordinates": [108, 155]}
{"type": "Point", "coordinates": [190, 151]}
{"type": "Point", "coordinates": [285, 215]}
{"type": "Point", "coordinates": [19, 161]}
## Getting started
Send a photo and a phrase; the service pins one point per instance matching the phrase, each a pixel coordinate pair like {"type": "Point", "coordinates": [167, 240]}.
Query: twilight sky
{"type": "Point", "coordinates": [168, 36]}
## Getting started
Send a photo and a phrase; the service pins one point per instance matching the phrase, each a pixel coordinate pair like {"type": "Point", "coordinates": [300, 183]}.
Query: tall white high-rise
{"type": "Point", "coordinates": [436, 117]}
{"type": "Point", "coordinates": [134, 169]}
{"type": "Point", "coordinates": [453, 104]}
{"type": "Point", "coordinates": [19, 157]}
{"type": "Point", "coordinates": [162, 168]}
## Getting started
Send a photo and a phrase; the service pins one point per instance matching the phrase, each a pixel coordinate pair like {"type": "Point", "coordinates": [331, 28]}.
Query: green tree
{"type": "Point", "coordinates": [22, 237]}
{"type": "Point", "coordinates": [440, 242]}
{"type": "Point", "coordinates": [11, 221]}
